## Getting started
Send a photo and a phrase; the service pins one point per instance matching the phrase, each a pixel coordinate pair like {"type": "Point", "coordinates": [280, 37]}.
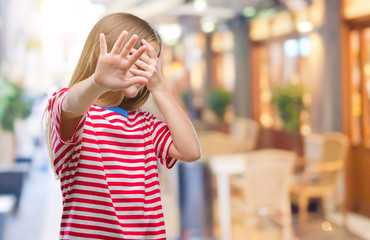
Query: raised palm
{"type": "Point", "coordinates": [112, 67]}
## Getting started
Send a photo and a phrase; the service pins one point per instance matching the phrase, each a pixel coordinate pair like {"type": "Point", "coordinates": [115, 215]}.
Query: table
{"type": "Point", "coordinates": [223, 166]}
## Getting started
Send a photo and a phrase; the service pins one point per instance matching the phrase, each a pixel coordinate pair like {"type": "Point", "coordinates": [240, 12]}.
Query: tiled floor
{"type": "Point", "coordinates": [317, 229]}
{"type": "Point", "coordinates": [40, 210]}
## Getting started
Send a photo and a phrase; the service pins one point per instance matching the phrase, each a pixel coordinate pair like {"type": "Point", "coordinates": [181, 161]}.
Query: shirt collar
{"type": "Point", "coordinates": [118, 110]}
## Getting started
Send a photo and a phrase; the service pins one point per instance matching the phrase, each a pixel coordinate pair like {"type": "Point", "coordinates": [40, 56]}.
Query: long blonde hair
{"type": "Point", "coordinates": [112, 26]}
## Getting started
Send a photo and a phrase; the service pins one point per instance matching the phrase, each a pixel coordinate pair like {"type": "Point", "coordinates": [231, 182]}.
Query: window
{"type": "Point", "coordinates": [360, 85]}
{"type": "Point", "coordinates": [278, 62]}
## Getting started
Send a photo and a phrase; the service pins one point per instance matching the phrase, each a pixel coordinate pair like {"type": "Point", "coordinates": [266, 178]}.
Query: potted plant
{"type": "Point", "coordinates": [218, 100]}
{"type": "Point", "coordinates": [288, 99]}
{"type": "Point", "coordinates": [14, 104]}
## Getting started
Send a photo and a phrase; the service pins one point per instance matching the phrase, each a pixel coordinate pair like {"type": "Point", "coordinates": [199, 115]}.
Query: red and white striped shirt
{"type": "Point", "coordinates": [108, 173]}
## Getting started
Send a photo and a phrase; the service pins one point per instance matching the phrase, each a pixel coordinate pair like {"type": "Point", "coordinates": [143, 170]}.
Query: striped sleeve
{"type": "Point", "coordinates": [162, 141]}
{"type": "Point", "coordinates": [62, 150]}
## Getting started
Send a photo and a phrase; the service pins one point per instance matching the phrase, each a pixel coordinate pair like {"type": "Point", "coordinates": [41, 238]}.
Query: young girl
{"type": "Point", "coordinates": [104, 148]}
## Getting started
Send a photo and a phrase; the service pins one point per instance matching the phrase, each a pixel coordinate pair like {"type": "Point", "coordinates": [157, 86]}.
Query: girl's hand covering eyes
{"type": "Point", "coordinates": [148, 67]}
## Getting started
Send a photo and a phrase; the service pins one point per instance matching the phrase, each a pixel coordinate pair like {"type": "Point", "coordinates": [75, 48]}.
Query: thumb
{"type": "Point", "coordinates": [137, 80]}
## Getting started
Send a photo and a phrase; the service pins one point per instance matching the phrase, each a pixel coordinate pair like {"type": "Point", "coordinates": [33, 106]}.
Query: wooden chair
{"type": "Point", "coordinates": [320, 178]}
{"type": "Point", "coordinates": [241, 138]}
{"type": "Point", "coordinates": [216, 143]}
{"type": "Point", "coordinates": [267, 179]}
{"type": "Point", "coordinates": [244, 132]}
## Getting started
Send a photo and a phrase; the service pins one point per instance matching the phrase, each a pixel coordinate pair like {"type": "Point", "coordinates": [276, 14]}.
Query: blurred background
{"type": "Point", "coordinates": [278, 90]}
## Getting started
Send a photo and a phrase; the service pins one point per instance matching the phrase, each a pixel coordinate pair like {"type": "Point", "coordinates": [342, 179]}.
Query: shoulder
{"type": "Point", "coordinates": [60, 92]}
{"type": "Point", "coordinates": [144, 117]}
{"type": "Point", "coordinates": [140, 114]}
{"type": "Point", "coordinates": [57, 97]}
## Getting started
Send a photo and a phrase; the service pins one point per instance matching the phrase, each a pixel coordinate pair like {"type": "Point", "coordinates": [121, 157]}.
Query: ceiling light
{"type": "Point", "coordinates": [200, 5]}
{"type": "Point", "coordinates": [208, 24]}
{"type": "Point", "coordinates": [170, 33]}
{"type": "Point", "coordinates": [305, 26]}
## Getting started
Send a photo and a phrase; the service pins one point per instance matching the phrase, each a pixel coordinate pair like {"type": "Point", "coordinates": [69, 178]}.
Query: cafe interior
{"type": "Point", "coordinates": [278, 92]}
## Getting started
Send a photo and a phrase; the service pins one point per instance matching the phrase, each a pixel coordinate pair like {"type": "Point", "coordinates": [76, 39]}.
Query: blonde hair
{"type": "Point", "coordinates": [112, 26]}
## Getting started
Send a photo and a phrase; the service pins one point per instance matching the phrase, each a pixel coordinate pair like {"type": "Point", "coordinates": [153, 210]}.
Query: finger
{"type": "Point", "coordinates": [138, 72]}
{"type": "Point", "coordinates": [150, 49]}
{"type": "Point", "coordinates": [141, 64]}
{"type": "Point", "coordinates": [136, 55]}
{"type": "Point", "coordinates": [143, 57]}
{"type": "Point", "coordinates": [136, 80]}
{"type": "Point", "coordinates": [118, 44]}
{"type": "Point", "coordinates": [103, 44]}
{"type": "Point", "coordinates": [128, 46]}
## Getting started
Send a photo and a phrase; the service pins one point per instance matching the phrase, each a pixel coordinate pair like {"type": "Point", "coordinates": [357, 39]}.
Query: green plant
{"type": "Point", "coordinates": [218, 100]}
{"type": "Point", "coordinates": [288, 99]}
{"type": "Point", "coordinates": [14, 104]}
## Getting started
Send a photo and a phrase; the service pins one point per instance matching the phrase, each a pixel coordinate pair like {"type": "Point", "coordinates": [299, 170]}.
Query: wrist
{"type": "Point", "coordinates": [95, 87]}
{"type": "Point", "coordinates": [158, 88]}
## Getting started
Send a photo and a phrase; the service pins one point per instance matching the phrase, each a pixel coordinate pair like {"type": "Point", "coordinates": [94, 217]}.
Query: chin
{"type": "Point", "coordinates": [131, 95]}
{"type": "Point", "coordinates": [131, 92]}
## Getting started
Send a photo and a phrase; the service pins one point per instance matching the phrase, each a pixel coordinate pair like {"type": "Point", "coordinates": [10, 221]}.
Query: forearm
{"type": "Point", "coordinates": [80, 97]}
{"type": "Point", "coordinates": [185, 145]}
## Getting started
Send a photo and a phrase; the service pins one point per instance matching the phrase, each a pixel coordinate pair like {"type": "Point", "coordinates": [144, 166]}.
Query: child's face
{"type": "Point", "coordinates": [132, 91]}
